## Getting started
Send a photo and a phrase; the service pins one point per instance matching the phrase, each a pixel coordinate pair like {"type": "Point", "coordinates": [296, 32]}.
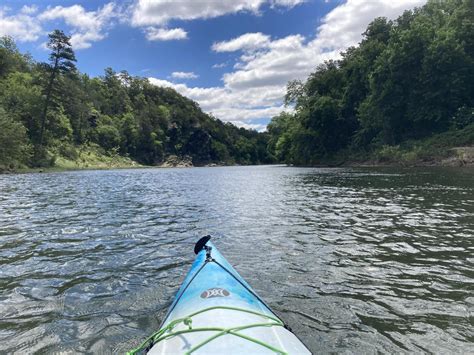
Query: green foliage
{"type": "Point", "coordinates": [388, 153]}
{"type": "Point", "coordinates": [220, 152]}
{"type": "Point", "coordinates": [68, 151]}
{"type": "Point", "coordinates": [57, 109]}
{"type": "Point", "coordinates": [62, 60]}
{"type": "Point", "coordinates": [108, 136]}
{"type": "Point", "coordinates": [58, 125]}
{"type": "Point", "coordinates": [14, 148]}
{"type": "Point", "coordinates": [62, 56]}
{"type": "Point", "coordinates": [437, 146]}
{"type": "Point", "coordinates": [11, 59]}
{"type": "Point", "coordinates": [407, 80]}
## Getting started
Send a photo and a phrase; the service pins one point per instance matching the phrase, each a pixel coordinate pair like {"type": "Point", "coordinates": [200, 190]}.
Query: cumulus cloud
{"type": "Point", "coordinates": [285, 59]}
{"type": "Point", "coordinates": [184, 75]}
{"type": "Point", "coordinates": [256, 86]}
{"type": "Point", "coordinates": [22, 26]}
{"type": "Point", "coordinates": [164, 34]}
{"type": "Point", "coordinates": [231, 105]}
{"type": "Point", "coordinates": [151, 15]}
{"type": "Point", "coordinates": [294, 57]}
{"type": "Point", "coordinates": [248, 41]}
{"type": "Point", "coordinates": [87, 26]}
{"type": "Point", "coordinates": [160, 12]}
{"type": "Point", "coordinates": [342, 27]}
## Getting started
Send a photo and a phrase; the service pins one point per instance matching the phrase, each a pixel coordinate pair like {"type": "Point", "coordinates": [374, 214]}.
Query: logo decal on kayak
{"type": "Point", "coordinates": [215, 292]}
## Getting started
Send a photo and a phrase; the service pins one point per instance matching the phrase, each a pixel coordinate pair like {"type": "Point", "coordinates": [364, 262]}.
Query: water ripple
{"type": "Point", "coordinates": [355, 260]}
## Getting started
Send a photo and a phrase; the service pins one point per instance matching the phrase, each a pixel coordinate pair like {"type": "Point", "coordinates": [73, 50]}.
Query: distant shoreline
{"type": "Point", "coordinates": [463, 158]}
{"type": "Point", "coordinates": [455, 157]}
{"type": "Point", "coordinates": [134, 165]}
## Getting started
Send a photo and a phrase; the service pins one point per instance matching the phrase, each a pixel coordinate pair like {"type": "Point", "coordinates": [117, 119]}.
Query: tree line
{"type": "Point", "coordinates": [51, 109]}
{"type": "Point", "coordinates": [406, 80]}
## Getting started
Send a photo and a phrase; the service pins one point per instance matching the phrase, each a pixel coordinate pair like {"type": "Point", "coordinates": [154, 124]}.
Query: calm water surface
{"type": "Point", "coordinates": [355, 260]}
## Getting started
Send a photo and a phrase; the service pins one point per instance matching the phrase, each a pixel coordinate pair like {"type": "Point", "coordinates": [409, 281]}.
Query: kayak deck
{"type": "Point", "coordinates": [215, 312]}
{"type": "Point", "coordinates": [219, 334]}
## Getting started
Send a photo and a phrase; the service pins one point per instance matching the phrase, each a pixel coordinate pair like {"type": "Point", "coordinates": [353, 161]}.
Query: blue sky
{"type": "Point", "coordinates": [234, 57]}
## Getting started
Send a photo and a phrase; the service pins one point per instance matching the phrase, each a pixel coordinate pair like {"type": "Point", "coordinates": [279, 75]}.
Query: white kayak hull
{"type": "Point", "coordinates": [216, 312]}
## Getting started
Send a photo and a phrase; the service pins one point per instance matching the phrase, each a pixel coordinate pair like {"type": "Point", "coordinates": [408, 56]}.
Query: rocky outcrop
{"type": "Point", "coordinates": [173, 161]}
{"type": "Point", "coordinates": [461, 156]}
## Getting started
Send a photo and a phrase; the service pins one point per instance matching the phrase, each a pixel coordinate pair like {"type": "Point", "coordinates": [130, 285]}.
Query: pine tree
{"type": "Point", "coordinates": [61, 61]}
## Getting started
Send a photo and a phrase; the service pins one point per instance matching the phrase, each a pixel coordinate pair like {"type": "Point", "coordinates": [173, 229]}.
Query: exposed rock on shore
{"type": "Point", "coordinates": [461, 156]}
{"type": "Point", "coordinates": [173, 161]}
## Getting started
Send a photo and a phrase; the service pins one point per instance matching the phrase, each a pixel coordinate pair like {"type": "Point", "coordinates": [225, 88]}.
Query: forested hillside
{"type": "Point", "coordinates": [405, 92]}
{"type": "Point", "coordinates": [408, 80]}
{"type": "Point", "coordinates": [51, 110]}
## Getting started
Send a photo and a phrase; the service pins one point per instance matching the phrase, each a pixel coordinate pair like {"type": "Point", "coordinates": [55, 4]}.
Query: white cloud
{"type": "Point", "coordinates": [286, 3]}
{"type": "Point", "coordinates": [343, 26]}
{"type": "Point", "coordinates": [255, 126]}
{"type": "Point", "coordinates": [256, 86]}
{"type": "Point", "coordinates": [29, 10]}
{"type": "Point", "coordinates": [285, 59]}
{"type": "Point", "coordinates": [219, 65]}
{"type": "Point", "coordinates": [248, 41]}
{"type": "Point", "coordinates": [184, 75]}
{"type": "Point", "coordinates": [23, 27]}
{"type": "Point", "coordinates": [87, 26]}
{"type": "Point", "coordinates": [293, 57]}
{"type": "Point", "coordinates": [160, 12]}
{"type": "Point", "coordinates": [231, 105]}
{"type": "Point", "coordinates": [163, 34]}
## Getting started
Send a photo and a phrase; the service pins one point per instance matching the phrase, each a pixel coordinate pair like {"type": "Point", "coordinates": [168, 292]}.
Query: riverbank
{"type": "Point", "coordinates": [396, 156]}
{"type": "Point", "coordinates": [451, 149]}
{"type": "Point", "coordinates": [93, 157]}
{"type": "Point", "coordinates": [87, 157]}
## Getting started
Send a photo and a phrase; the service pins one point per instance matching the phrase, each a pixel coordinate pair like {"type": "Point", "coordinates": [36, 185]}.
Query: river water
{"type": "Point", "coordinates": [355, 260]}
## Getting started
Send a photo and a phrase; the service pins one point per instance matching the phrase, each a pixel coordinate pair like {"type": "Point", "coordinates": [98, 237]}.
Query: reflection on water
{"type": "Point", "coordinates": [357, 260]}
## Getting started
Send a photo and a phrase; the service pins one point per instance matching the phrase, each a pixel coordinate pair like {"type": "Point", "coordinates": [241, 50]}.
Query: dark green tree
{"type": "Point", "coordinates": [14, 146]}
{"type": "Point", "coordinates": [70, 115]}
{"type": "Point", "coordinates": [406, 80]}
{"type": "Point", "coordinates": [61, 61]}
